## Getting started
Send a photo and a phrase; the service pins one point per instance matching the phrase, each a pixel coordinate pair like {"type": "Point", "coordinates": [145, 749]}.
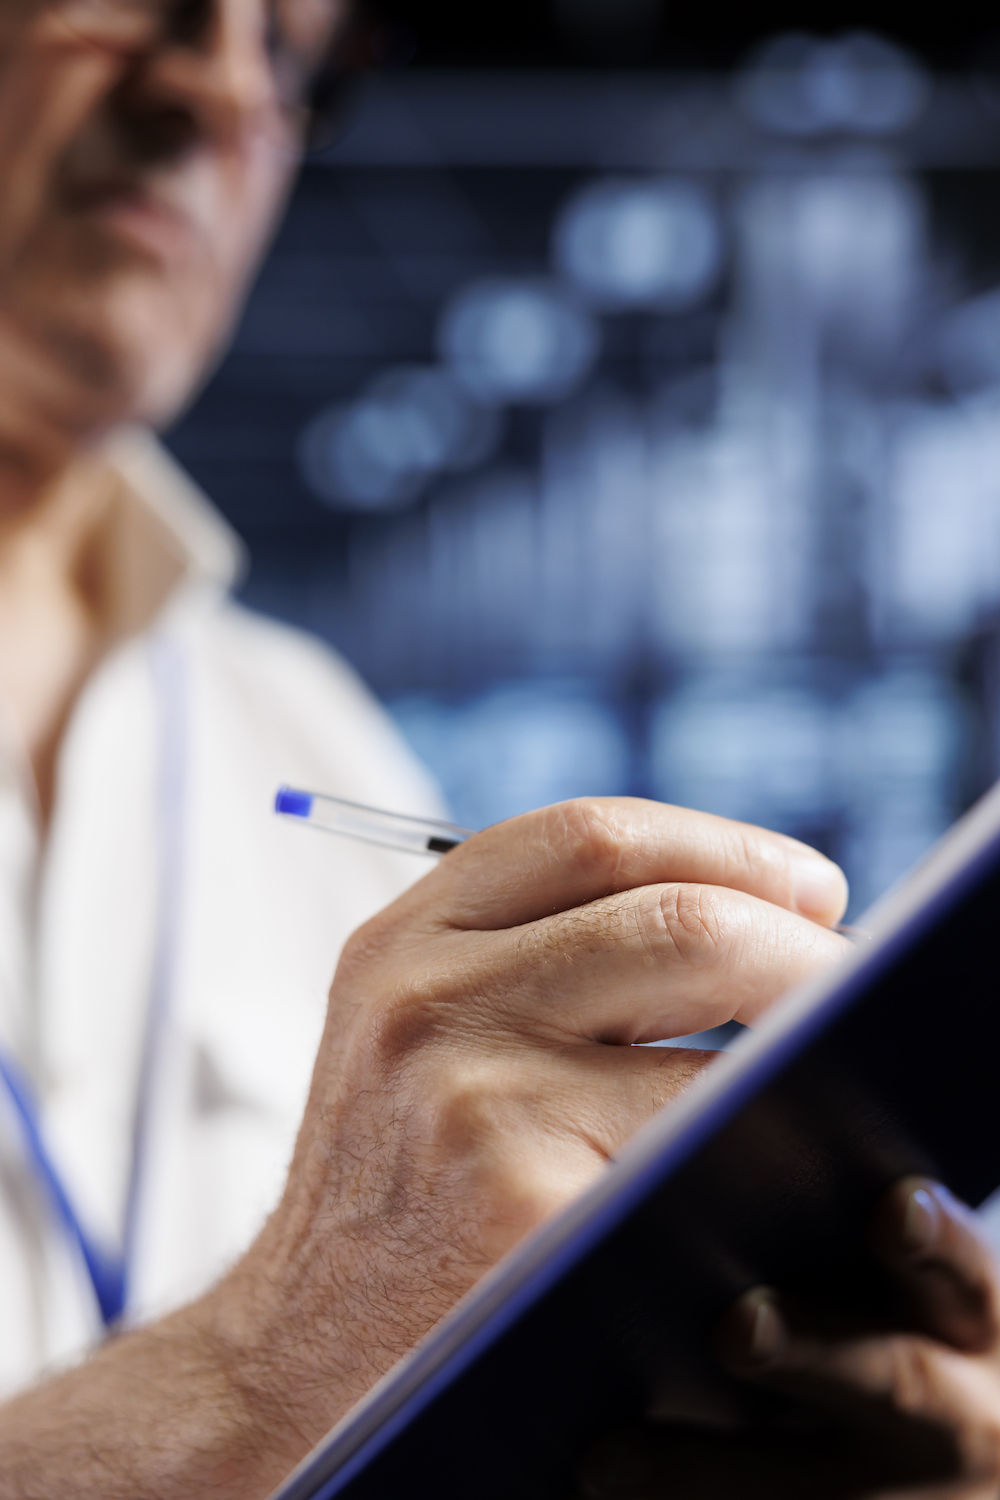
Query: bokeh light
{"type": "Point", "coordinates": [720, 356]}
{"type": "Point", "coordinates": [800, 85]}
{"type": "Point", "coordinates": [517, 341]}
{"type": "Point", "coordinates": [968, 344]}
{"type": "Point", "coordinates": [847, 247]}
{"type": "Point", "coordinates": [639, 244]}
{"type": "Point", "coordinates": [379, 451]}
{"type": "Point", "coordinates": [518, 746]}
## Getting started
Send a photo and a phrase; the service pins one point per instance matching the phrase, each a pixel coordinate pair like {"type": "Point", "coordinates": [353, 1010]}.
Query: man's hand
{"type": "Point", "coordinates": [475, 1074]}
{"type": "Point", "coordinates": [476, 1071]}
{"type": "Point", "coordinates": [913, 1412]}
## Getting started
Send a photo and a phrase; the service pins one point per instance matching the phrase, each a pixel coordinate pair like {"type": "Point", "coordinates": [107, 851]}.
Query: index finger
{"type": "Point", "coordinates": [932, 1244]}
{"type": "Point", "coordinates": [574, 852]}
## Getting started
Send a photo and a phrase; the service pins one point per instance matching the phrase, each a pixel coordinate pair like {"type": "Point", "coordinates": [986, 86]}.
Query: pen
{"type": "Point", "coordinates": [375, 826]}
{"type": "Point", "coordinates": [399, 831]}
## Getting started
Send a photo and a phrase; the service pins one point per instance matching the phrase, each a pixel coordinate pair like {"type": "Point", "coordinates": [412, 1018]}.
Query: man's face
{"type": "Point", "coordinates": [145, 148]}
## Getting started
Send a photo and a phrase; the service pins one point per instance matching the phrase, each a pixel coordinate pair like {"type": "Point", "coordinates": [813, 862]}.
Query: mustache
{"type": "Point", "coordinates": [108, 163]}
{"type": "Point", "coordinates": [133, 139]}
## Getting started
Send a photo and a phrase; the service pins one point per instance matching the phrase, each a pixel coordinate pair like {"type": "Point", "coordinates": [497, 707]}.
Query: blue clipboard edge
{"type": "Point", "coordinates": [526, 1272]}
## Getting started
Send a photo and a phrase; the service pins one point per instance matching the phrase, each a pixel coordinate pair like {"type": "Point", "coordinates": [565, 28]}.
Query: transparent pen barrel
{"type": "Point", "coordinates": [371, 824]}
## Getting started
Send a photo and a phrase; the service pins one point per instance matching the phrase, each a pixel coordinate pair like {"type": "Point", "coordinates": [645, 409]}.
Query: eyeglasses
{"type": "Point", "coordinates": [301, 39]}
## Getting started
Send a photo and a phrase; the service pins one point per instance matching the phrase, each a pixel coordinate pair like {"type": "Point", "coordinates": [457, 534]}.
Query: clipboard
{"type": "Point", "coordinates": [764, 1172]}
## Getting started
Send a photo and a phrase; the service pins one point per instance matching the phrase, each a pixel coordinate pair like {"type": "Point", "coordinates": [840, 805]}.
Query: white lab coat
{"type": "Point", "coordinates": [168, 881]}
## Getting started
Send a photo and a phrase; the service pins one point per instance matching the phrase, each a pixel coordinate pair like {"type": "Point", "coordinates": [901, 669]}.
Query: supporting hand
{"type": "Point", "coordinates": [910, 1411]}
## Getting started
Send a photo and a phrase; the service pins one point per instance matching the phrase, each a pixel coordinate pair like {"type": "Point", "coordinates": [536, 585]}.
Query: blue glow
{"type": "Point", "coordinates": [743, 547]}
{"type": "Point", "coordinates": [516, 748]}
{"type": "Point", "coordinates": [517, 341]}
{"type": "Point", "coordinates": [801, 86]}
{"type": "Point", "coordinates": [640, 244]}
{"type": "Point", "coordinates": [968, 344]}
{"type": "Point", "coordinates": [379, 451]}
{"type": "Point", "coordinates": [851, 244]}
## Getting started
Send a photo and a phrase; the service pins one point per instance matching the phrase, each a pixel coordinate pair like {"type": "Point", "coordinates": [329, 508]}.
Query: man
{"type": "Point", "coordinates": [165, 943]}
{"type": "Point", "coordinates": [474, 1071]}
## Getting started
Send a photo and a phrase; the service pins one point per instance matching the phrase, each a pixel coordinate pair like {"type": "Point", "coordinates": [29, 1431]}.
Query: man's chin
{"type": "Point", "coordinates": [128, 349]}
{"type": "Point", "coordinates": [162, 334]}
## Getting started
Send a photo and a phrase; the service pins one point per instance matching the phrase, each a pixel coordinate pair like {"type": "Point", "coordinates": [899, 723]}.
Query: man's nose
{"type": "Point", "coordinates": [219, 76]}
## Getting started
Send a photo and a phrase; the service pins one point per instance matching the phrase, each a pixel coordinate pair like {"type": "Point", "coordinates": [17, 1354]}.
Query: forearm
{"type": "Point", "coordinates": [182, 1408]}
{"type": "Point", "coordinates": [220, 1400]}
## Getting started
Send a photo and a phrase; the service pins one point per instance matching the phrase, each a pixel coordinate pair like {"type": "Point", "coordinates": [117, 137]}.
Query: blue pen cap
{"type": "Point", "coordinates": [294, 804]}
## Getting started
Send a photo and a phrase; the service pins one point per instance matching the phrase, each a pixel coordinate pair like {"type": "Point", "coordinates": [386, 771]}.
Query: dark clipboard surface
{"type": "Point", "coordinates": [765, 1171]}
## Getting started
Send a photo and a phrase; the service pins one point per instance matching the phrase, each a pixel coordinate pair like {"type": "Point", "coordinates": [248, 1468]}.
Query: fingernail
{"type": "Point", "coordinates": [819, 889]}
{"type": "Point", "coordinates": [617, 1469]}
{"type": "Point", "coordinates": [921, 1220]}
{"type": "Point", "coordinates": [767, 1336]}
{"type": "Point", "coordinates": [753, 1333]}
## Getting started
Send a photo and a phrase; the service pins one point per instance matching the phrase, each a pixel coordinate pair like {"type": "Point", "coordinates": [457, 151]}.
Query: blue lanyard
{"type": "Point", "coordinates": [106, 1268]}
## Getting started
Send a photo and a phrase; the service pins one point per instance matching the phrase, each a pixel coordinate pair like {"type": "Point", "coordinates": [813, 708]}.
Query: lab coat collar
{"type": "Point", "coordinates": [169, 543]}
{"type": "Point", "coordinates": [168, 552]}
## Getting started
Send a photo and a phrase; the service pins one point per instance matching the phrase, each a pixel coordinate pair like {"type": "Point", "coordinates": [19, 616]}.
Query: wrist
{"type": "Point", "coordinates": [319, 1310]}
{"type": "Point", "coordinates": [281, 1336]}
{"type": "Point", "coordinates": [182, 1407]}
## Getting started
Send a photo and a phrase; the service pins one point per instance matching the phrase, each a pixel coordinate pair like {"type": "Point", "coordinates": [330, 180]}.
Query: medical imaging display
{"type": "Point", "coordinates": [639, 432]}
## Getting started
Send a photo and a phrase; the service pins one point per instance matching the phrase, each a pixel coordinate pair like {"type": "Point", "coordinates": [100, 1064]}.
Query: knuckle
{"type": "Point", "coordinates": [913, 1375]}
{"type": "Point", "coordinates": [359, 949]}
{"type": "Point", "coordinates": [470, 1108]}
{"type": "Point", "coordinates": [366, 952]}
{"type": "Point", "coordinates": [686, 919]}
{"type": "Point", "coordinates": [590, 843]}
{"type": "Point", "coordinates": [520, 1195]}
{"type": "Point", "coordinates": [506, 1188]}
{"type": "Point", "coordinates": [763, 862]}
{"type": "Point", "coordinates": [408, 1017]}
{"type": "Point", "coordinates": [399, 1030]}
{"type": "Point", "coordinates": [747, 849]}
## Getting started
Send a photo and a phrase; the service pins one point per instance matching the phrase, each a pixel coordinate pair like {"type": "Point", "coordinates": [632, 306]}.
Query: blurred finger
{"type": "Point", "coordinates": [575, 852]}
{"type": "Point", "coordinates": [917, 1399]}
{"type": "Point", "coordinates": [932, 1244]}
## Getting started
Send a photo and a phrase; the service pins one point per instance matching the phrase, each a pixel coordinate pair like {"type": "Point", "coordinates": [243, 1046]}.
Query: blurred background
{"type": "Point", "coordinates": [622, 398]}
